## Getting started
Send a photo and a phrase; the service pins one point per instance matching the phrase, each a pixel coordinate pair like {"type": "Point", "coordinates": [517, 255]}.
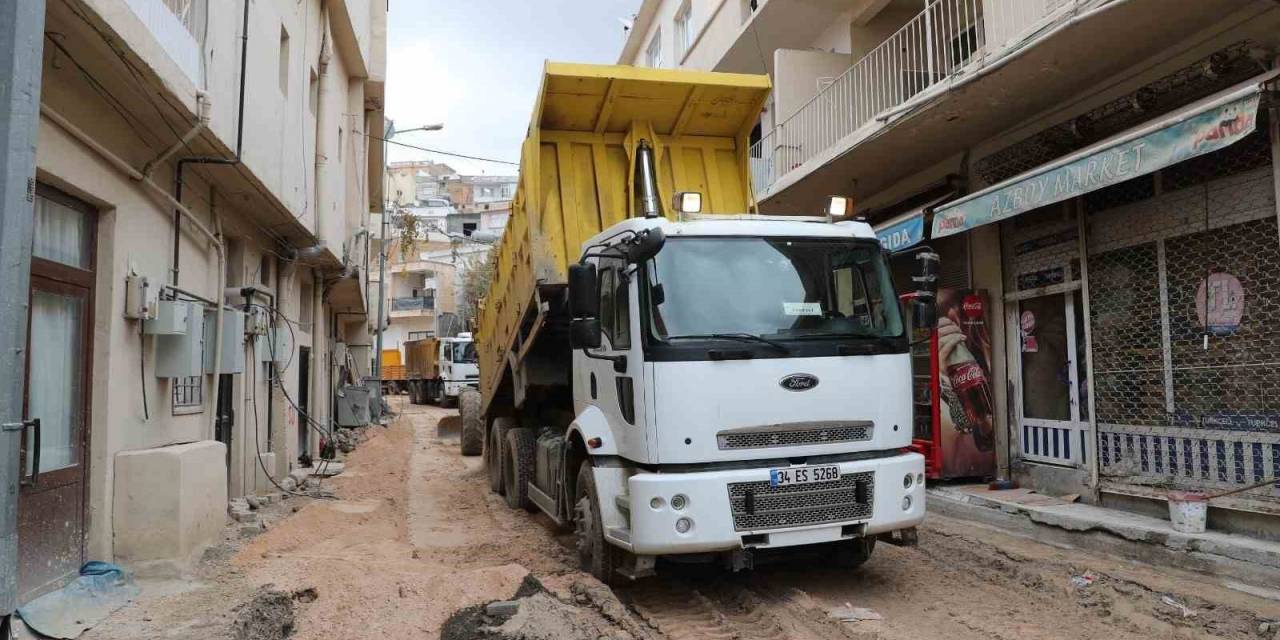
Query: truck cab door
{"type": "Point", "coordinates": [617, 388]}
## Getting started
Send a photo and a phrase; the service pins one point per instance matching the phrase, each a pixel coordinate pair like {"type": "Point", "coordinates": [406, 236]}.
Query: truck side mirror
{"type": "Point", "coordinates": [924, 308]}
{"type": "Point", "coordinates": [924, 314]}
{"type": "Point", "coordinates": [585, 333]}
{"type": "Point", "coordinates": [646, 245]}
{"type": "Point", "coordinates": [584, 291]}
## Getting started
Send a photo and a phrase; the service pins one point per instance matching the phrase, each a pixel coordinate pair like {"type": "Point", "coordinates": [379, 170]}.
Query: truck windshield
{"type": "Point", "coordinates": [777, 288]}
{"type": "Point", "coordinates": [464, 352]}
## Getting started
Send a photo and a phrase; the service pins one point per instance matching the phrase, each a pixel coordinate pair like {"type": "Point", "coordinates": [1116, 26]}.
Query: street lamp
{"type": "Point", "coordinates": [389, 133]}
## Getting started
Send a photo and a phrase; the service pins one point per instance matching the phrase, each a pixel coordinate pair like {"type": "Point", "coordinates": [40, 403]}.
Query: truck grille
{"type": "Point", "coordinates": [794, 436]}
{"type": "Point", "coordinates": [757, 505]}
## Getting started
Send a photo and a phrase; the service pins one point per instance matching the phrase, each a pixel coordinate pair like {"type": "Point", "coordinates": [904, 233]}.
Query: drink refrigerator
{"type": "Point", "coordinates": [953, 415]}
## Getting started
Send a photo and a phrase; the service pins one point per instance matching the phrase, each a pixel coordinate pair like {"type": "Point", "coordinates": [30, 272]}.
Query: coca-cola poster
{"type": "Point", "coordinates": [967, 408]}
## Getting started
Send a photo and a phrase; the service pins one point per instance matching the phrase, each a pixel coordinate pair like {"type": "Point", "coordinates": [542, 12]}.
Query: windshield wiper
{"type": "Point", "coordinates": [740, 337]}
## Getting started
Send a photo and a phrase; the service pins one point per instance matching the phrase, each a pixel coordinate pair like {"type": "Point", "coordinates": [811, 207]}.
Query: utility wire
{"type": "Point", "coordinates": [443, 153]}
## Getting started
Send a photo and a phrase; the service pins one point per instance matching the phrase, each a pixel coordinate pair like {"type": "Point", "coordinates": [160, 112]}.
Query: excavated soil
{"type": "Point", "coordinates": [416, 546]}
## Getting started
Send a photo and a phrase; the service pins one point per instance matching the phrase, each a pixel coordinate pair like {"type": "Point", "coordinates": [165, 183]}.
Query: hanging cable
{"type": "Point", "coordinates": [142, 368]}
{"type": "Point", "coordinates": [253, 385]}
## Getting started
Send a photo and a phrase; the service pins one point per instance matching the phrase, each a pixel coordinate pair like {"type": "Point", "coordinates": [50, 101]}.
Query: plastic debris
{"type": "Point", "coordinates": [1083, 580]}
{"type": "Point", "coordinates": [850, 613]}
{"type": "Point", "coordinates": [1186, 612]}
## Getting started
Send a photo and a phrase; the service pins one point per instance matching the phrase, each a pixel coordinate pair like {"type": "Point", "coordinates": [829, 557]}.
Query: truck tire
{"type": "Point", "coordinates": [518, 471]}
{"type": "Point", "coordinates": [495, 452]}
{"type": "Point", "coordinates": [595, 555]}
{"type": "Point", "coordinates": [472, 424]}
{"type": "Point", "coordinates": [851, 554]}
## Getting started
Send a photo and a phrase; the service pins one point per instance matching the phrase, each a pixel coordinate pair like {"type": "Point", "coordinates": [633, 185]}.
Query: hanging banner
{"type": "Point", "coordinates": [901, 235]}
{"type": "Point", "coordinates": [1200, 129]}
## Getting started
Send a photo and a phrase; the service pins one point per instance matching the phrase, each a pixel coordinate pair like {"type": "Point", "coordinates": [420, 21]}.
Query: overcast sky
{"type": "Point", "coordinates": [476, 65]}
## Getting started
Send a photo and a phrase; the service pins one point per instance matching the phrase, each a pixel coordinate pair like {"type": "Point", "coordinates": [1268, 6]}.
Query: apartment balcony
{"type": "Point", "coordinates": [176, 26]}
{"type": "Point", "coordinates": [955, 74]}
{"type": "Point", "coordinates": [411, 307]}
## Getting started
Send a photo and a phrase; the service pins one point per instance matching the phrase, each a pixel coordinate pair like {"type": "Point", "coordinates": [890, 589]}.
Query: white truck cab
{"type": "Point", "coordinates": [751, 388]}
{"type": "Point", "coordinates": [458, 368]}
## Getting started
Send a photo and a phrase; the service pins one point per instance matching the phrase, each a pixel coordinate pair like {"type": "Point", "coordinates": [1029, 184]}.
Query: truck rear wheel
{"type": "Point", "coordinates": [495, 454]}
{"type": "Point", "coordinates": [518, 472]}
{"type": "Point", "coordinates": [595, 555]}
{"type": "Point", "coordinates": [472, 424]}
{"type": "Point", "coordinates": [851, 554]}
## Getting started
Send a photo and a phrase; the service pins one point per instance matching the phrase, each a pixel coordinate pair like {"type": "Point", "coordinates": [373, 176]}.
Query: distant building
{"type": "Point", "coordinates": [412, 182]}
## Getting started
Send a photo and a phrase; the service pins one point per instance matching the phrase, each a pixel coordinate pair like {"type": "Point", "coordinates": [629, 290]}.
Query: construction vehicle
{"type": "Point", "coordinates": [440, 369]}
{"type": "Point", "coordinates": [394, 381]}
{"type": "Point", "coordinates": [707, 386]}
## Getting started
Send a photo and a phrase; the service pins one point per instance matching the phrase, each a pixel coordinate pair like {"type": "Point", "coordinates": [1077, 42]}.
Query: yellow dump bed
{"type": "Point", "coordinates": [576, 175]}
{"type": "Point", "coordinates": [420, 358]}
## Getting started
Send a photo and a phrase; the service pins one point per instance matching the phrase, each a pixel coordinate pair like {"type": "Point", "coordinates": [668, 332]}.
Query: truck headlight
{"type": "Point", "coordinates": [679, 501]}
{"type": "Point", "coordinates": [655, 504]}
{"type": "Point", "coordinates": [907, 480]}
{"type": "Point", "coordinates": [906, 503]}
{"type": "Point", "coordinates": [683, 525]}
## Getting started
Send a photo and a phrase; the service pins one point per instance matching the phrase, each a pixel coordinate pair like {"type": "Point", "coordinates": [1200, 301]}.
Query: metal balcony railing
{"type": "Point", "coordinates": [946, 40]}
{"type": "Point", "coordinates": [413, 304]}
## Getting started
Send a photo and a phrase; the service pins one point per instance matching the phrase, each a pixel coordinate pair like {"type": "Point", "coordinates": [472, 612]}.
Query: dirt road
{"type": "Point", "coordinates": [415, 539]}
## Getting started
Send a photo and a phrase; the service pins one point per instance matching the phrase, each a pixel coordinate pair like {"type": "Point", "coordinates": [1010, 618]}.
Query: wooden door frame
{"type": "Point", "coordinates": [68, 277]}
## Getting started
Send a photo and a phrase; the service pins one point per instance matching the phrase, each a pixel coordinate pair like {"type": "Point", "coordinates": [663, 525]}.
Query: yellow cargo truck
{"type": "Point", "coordinates": [670, 372]}
{"type": "Point", "coordinates": [438, 370]}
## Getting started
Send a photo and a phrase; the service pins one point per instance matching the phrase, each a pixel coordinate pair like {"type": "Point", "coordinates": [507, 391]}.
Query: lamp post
{"type": "Point", "coordinates": [382, 251]}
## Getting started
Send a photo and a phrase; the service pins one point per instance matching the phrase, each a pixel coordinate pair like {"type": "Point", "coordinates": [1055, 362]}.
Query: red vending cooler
{"type": "Point", "coordinates": [954, 420]}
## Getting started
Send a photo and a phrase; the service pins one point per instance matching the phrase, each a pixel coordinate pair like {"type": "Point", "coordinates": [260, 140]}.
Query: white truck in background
{"type": "Point", "coordinates": [440, 369]}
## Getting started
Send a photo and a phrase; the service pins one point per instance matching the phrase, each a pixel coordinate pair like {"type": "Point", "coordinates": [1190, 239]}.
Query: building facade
{"type": "Point", "coordinates": [1099, 178]}
{"type": "Point", "coordinates": [198, 285]}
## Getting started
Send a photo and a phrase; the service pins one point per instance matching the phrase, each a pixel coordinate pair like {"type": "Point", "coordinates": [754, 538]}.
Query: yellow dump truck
{"type": "Point", "coordinates": [651, 349]}
{"type": "Point", "coordinates": [393, 373]}
{"type": "Point", "coordinates": [438, 370]}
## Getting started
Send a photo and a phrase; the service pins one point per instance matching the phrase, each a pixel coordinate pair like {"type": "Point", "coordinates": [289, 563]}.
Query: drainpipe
{"type": "Point", "coordinates": [214, 236]}
{"type": "Point", "coordinates": [182, 163]}
{"type": "Point", "coordinates": [322, 113]}
{"type": "Point", "coordinates": [21, 48]}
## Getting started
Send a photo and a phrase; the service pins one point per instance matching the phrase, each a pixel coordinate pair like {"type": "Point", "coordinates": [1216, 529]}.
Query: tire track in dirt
{"type": "Point", "coordinates": [686, 610]}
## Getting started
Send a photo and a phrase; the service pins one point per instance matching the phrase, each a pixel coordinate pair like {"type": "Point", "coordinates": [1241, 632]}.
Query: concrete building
{"type": "Point", "coordinates": [467, 190]}
{"type": "Point", "coordinates": [413, 182]}
{"type": "Point", "coordinates": [483, 221]}
{"type": "Point", "coordinates": [1099, 178]}
{"type": "Point", "coordinates": [246, 220]}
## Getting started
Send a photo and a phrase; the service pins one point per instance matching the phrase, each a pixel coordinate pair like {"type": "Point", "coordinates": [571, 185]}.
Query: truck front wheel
{"type": "Point", "coordinates": [495, 454]}
{"type": "Point", "coordinates": [851, 554]}
{"type": "Point", "coordinates": [595, 556]}
{"type": "Point", "coordinates": [472, 424]}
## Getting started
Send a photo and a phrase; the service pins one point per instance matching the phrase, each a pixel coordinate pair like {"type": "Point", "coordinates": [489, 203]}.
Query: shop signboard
{"type": "Point", "coordinates": [902, 235]}
{"type": "Point", "coordinates": [1212, 126]}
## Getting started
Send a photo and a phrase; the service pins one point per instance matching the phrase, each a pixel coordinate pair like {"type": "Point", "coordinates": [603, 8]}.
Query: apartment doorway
{"type": "Point", "coordinates": [225, 419]}
{"type": "Point", "coordinates": [304, 401]}
{"type": "Point", "coordinates": [54, 456]}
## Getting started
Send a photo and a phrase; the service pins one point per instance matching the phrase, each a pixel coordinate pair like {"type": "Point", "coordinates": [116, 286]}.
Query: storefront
{"type": "Point", "coordinates": [1141, 284]}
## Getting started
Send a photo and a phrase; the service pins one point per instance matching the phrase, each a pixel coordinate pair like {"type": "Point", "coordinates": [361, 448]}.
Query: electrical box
{"type": "Point", "coordinates": [172, 318]}
{"type": "Point", "coordinates": [353, 406]}
{"type": "Point", "coordinates": [258, 321]}
{"type": "Point", "coordinates": [339, 353]}
{"type": "Point", "coordinates": [139, 297]}
{"type": "Point", "coordinates": [232, 340]}
{"type": "Point", "coordinates": [274, 346]}
{"type": "Point", "coordinates": [180, 355]}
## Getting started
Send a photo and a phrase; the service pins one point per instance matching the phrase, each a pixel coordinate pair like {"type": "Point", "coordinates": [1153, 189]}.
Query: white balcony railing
{"type": "Point", "coordinates": [178, 26]}
{"type": "Point", "coordinates": [945, 41]}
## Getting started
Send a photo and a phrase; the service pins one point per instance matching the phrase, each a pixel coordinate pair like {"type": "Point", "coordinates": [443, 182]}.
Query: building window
{"type": "Point", "coordinates": [468, 228]}
{"type": "Point", "coordinates": [684, 30]}
{"type": "Point", "coordinates": [188, 395]}
{"type": "Point", "coordinates": [653, 55]}
{"type": "Point", "coordinates": [284, 61]}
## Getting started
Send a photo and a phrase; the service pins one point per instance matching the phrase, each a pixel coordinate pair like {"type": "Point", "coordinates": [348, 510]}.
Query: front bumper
{"type": "Point", "coordinates": [711, 509]}
{"type": "Point", "coordinates": [453, 388]}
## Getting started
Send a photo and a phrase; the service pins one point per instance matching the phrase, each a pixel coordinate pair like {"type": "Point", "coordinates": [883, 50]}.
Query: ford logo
{"type": "Point", "coordinates": [799, 382]}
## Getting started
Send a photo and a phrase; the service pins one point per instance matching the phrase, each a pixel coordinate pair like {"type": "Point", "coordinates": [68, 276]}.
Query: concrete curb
{"type": "Point", "coordinates": [1233, 558]}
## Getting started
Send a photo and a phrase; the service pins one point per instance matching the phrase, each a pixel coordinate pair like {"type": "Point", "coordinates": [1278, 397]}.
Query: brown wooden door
{"type": "Point", "coordinates": [53, 490]}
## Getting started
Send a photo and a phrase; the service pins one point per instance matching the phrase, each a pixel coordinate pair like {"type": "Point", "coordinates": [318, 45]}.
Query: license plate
{"type": "Point", "coordinates": [804, 475]}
